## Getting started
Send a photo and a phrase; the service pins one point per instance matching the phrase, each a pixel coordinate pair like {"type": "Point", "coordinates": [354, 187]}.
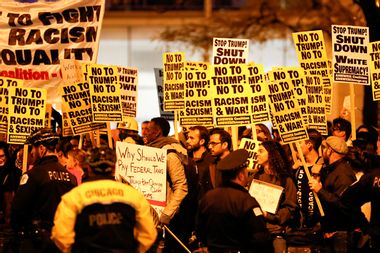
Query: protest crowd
{"type": "Point", "coordinates": [69, 201]}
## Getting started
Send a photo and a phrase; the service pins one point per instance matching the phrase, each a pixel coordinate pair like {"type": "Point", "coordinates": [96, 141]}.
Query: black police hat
{"type": "Point", "coordinates": [102, 160]}
{"type": "Point", "coordinates": [237, 159]}
{"type": "Point", "coordinates": [44, 136]}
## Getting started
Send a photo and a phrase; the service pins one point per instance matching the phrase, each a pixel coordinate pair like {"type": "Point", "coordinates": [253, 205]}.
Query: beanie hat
{"type": "Point", "coordinates": [337, 144]}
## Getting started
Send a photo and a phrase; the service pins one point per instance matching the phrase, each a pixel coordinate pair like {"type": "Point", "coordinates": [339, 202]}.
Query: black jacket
{"type": "Point", "coordinates": [230, 219]}
{"type": "Point", "coordinates": [40, 192]}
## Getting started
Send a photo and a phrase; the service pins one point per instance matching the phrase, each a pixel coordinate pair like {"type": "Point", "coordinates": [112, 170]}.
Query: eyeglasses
{"type": "Point", "coordinates": [213, 144]}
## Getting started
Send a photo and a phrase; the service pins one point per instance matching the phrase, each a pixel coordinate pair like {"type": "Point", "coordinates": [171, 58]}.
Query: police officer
{"type": "Point", "coordinates": [103, 215]}
{"type": "Point", "coordinates": [39, 193]}
{"type": "Point", "coordinates": [367, 189]}
{"type": "Point", "coordinates": [229, 219]}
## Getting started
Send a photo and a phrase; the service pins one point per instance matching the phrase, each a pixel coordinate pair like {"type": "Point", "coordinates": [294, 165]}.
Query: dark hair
{"type": "Point", "coordinates": [355, 159]}
{"type": "Point", "coordinates": [229, 175]}
{"type": "Point", "coordinates": [4, 146]}
{"type": "Point", "coordinates": [163, 124]}
{"type": "Point", "coordinates": [224, 136]}
{"type": "Point", "coordinates": [371, 135]}
{"type": "Point", "coordinates": [315, 138]}
{"type": "Point", "coordinates": [278, 162]}
{"type": "Point", "coordinates": [343, 125]}
{"type": "Point", "coordinates": [203, 133]}
{"type": "Point", "coordinates": [64, 145]}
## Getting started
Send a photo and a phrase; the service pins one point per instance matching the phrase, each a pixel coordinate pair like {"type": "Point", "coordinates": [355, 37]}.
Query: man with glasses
{"type": "Point", "coordinates": [220, 146]}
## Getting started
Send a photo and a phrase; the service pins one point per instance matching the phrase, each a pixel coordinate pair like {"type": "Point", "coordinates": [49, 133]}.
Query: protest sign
{"type": "Point", "coordinates": [285, 109]}
{"type": "Point", "coordinates": [197, 65]}
{"type": "Point", "coordinates": [48, 112]}
{"type": "Point", "coordinates": [26, 113]}
{"type": "Point", "coordinates": [66, 124]}
{"type": "Point", "coordinates": [128, 90]}
{"type": "Point", "coordinates": [34, 37]}
{"type": "Point", "coordinates": [258, 93]}
{"type": "Point", "coordinates": [350, 54]}
{"type": "Point", "coordinates": [159, 75]}
{"type": "Point", "coordinates": [311, 52]}
{"type": "Point", "coordinates": [174, 81]}
{"type": "Point", "coordinates": [267, 195]}
{"type": "Point", "coordinates": [76, 100]}
{"type": "Point", "coordinates": [198, 108]}
{"type": "Point", "coordinates": [145, 169]}
{"type": "Point", "coordinates": [252, 146]}
{"type": "Point", "coordinates": [316, 111]}
{"type": "Point", "coordinates": [374, 52]}
{"type": "Point", "coordinates": [4, 102]}
{"type": "Point", "coordinates": [104, 91]}
{"type": "Point", "coordinates": [327, 92]}
{"type": "Point", "coordinates": [230, 95]}
{"type": "Point", "coordinates": [229, 51]}
{"type": "Point", "coordinates": [71, 71]}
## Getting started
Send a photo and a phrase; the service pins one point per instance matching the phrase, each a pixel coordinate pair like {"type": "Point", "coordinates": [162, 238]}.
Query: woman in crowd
{"type": "Point", "coordinates": [275, 169]}
{"type": "Point", "coordinates": [77, 163]}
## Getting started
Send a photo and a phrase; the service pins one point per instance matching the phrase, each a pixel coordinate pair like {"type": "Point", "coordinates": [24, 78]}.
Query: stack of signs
{"type": "Point", "coordinates": [316, 109]}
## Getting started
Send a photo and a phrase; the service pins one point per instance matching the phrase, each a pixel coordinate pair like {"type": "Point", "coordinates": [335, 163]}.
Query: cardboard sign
{"type": "Point", "coordinates": [311, 52]}
{"type": "Point", "coordinates": [159, 75]}
{"type": "Point", "coordinates": [76, 100]}
{"type": "Point", "coordinates": [174, 81]}
{"type": "Point", "coordinates": [374, 63]}
{"type": "Point", "coordinates": [285, 109]}
{"type": "Point", "coordinates": [229, 51]}
{"type": "Point", "coordinates": [198, 108]}
{"type": "Point", "coordinates": [328, 93]}
{"type": "Point", "coordinates": [34, 37]}
{"type": "Point", "coordinates": [105, 92]}
{"type": "Point", "coordinates": [71, 71]}
{"type": "Point", "coordinates": [350, 54]}
{"type": "Point", "coordinates": [4, 102]}
{"type": "Point", "coordinates": [26, 113]}
{"type": "Point", "coordinates": [316, 111]}
{"type": "Point", "coordinates": [128, 91]}
{"type": "Point", "coordinates": [252, 147]}
{"type": "Point", "coordinates": [259, 93]}
{"type": "Point", "coordinates": [145, 169]}
{"type": "Point", "coordinates": [267, 195]}
{"type": "Point", "coordinates": [231, 95]}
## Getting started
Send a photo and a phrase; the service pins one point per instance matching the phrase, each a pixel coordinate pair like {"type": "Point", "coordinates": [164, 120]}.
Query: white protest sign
{"type": "Point", "coordinates": [145, 169]}
{"type": "Point", "coordinates": [350, 54]}
{"type": "Point", "coordinates": [267, 195]}
{"type": "Point", "coordinates": [230, 51]}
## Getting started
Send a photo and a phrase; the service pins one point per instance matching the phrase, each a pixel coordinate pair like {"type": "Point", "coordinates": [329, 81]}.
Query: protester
{"type": "Point", "coordinates": [128, 131]}
{"type": "Point", "coordinates": [77, 163]}
{"type": "Point", "coordinates": [144, 130]}
{"type": "Point", "coordinates": [305, 197]}
{"type": "Point", "coordinates": [367, 189]}
{"type": "Point", "coordinates": [102, 215]}
{"type": "Point", "coordinates": [177, 189]}
{"type": "Point", "coordinates": [9, 180]}
{"type": "Point", "coordinates": [342, 128]}
{"type": "Point", "coordinates": [337, 227]}
{"type": "Point", "coordinates": [220, 145]}
{"type": "Point", "coordinates": [39, 193]}
{"type": "Point", "coordinates": [229, 219]}
{"type": "Point", "coordinates": [197, 143]}
{"type": "Point", "coordinates": [275, 169]}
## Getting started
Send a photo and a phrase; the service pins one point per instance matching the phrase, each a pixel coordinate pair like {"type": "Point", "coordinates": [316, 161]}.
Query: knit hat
{"type": "Point", "coordinates": [337, 144]}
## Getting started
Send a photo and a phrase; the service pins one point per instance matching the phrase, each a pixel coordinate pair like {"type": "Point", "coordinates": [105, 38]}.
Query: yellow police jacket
{"type": "Point", "coordinates": [102, 215]}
